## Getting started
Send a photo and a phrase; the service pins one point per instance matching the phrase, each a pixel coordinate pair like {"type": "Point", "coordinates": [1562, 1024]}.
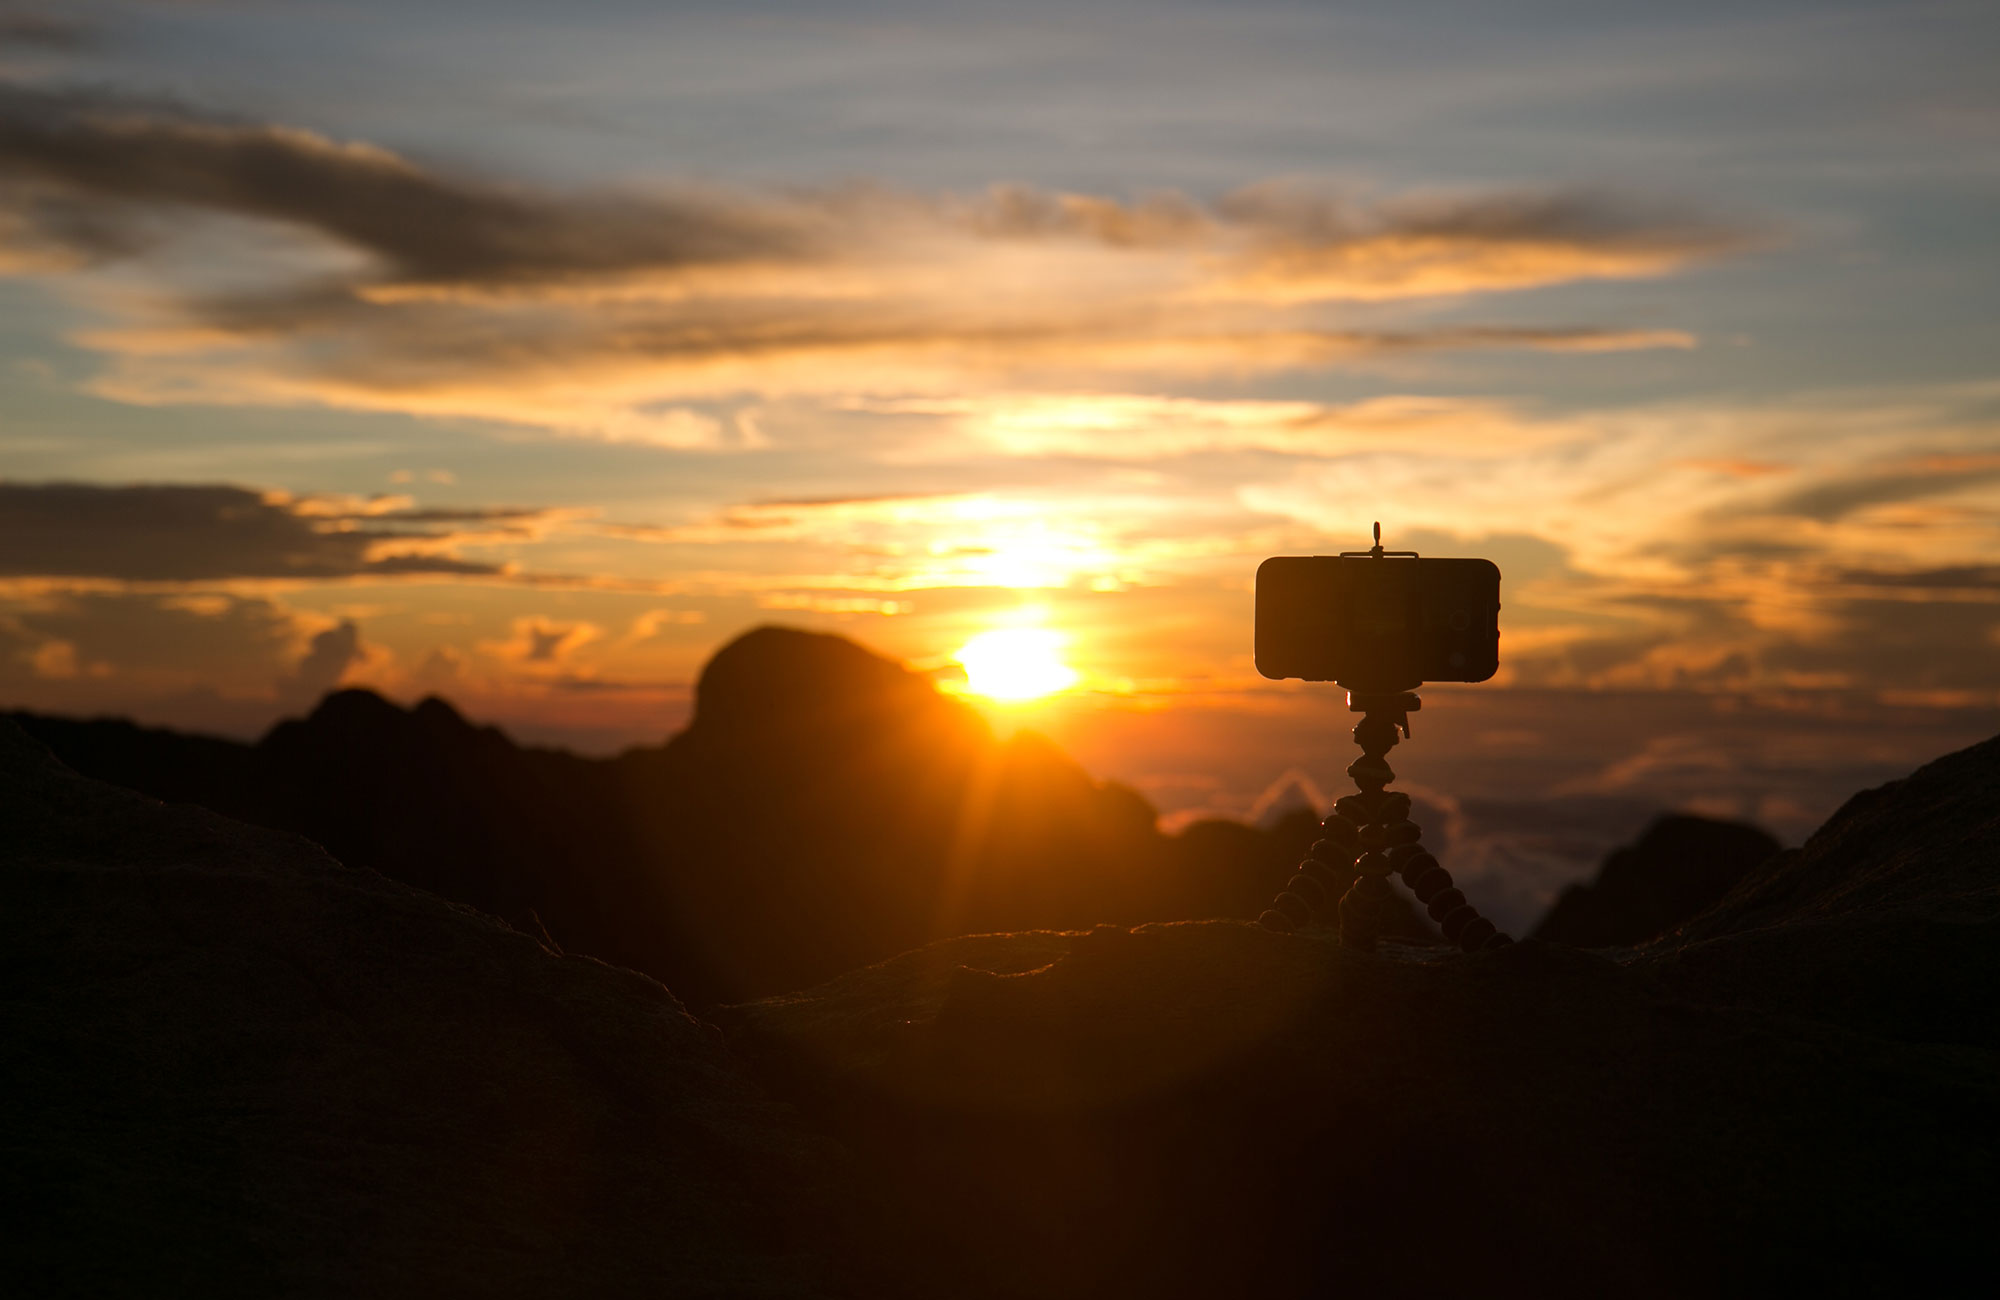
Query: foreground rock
{"type": "Point", "coordinates": [237, 1067]}
{"type": "Point", "coordinates": [1796, 1090]}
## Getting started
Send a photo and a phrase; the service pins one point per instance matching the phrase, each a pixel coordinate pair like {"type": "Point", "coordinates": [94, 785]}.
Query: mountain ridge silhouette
{"type": "Point", "coordinates": [824, 808]}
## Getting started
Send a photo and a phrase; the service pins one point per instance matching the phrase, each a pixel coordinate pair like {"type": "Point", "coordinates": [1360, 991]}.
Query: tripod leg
{"type": "Point", "coordinates": [1368, 908]}
{"type": "Point", "coordinates": [1461, 923]}
{"type": "Point", "coordinates": [1368, 838]}
{"type": "Point", "coordinates": [1311, 892]}
{"type": "Point", "coordinates": [1350, 842]}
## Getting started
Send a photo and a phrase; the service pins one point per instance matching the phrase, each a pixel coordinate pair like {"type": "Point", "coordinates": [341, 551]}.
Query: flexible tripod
{"type": "Point", "coordinates": [1371, 834]}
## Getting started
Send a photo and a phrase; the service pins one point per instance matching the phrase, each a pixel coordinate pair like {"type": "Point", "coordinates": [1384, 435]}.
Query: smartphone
{"type": "Point", "coordinates": [1375, 622]}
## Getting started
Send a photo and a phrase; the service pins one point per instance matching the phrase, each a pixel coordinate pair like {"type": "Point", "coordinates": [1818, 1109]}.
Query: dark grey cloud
{"type": "Point", "coordinates": [35, 29]}
{"type": "Point", "coordinates": [429, 226]}
{"type": "Point", "coordinates": [1890, 645]}
{"type": "Point", "coordinates": [196, 533]}
{"type": "Point", "coordinates": [413, 346]}
{"type": "Point", "coordinates": [1585, 220]}
{"type": "Point", "coordinates": [545, 644]}
{"type": "Point", "coordinates": [1267, 224]}
{"type": "Point", "coordinates": [423, 226]}
{"type": "Point", "coordinates": [1875, 630]}
{"type": "Point", "coordinates": [1967, 578]}
{"type": "Point", "coordinates": [1832, 501]}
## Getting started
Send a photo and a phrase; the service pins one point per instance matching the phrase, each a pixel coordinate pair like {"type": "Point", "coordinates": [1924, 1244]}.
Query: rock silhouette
{"type": "Point", "coordinates": [1791, 1094]}
{"type": "Point", "coordinates": [237, 1067]}
{"type": "Point", "coordinates": [825, 808]}
{"type": "Point", "coordinates": [1680, 865]}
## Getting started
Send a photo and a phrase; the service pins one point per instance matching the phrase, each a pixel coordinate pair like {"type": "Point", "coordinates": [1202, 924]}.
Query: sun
{"type": "Point", "coordinates": [1016, 663]}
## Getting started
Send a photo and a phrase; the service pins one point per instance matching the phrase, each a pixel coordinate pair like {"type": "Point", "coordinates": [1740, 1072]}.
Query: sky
{"type": "Point", "coordinates": [526, 354]}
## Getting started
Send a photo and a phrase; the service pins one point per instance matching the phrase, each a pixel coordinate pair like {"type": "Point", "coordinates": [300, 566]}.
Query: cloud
{"type": "Point", "coordinates": [214, 661]}
{"type": "Point", "coordinates": [1736, 466]}
{"type": "Point", "coordinates": [605, 314]}
{"type": "Point", "coordinates": [443, 669]}
{"type": "Point", "coordinates": [324, 663]}
{"type": "Point", "coordinates": [540, 641]}
{"type": "Point", "coordinates": [855, 554]}
{"type": "Point", "coordinates": [819, 604]}
{"type": "Point", "coordinates": [1627, 566]}
{"type": "Point", "coordinates": [545, 644]}
{"type": "Point", "coordinates": [1295, 241]}
{"type": "Point", "coordinates": [1760, 549]}
{"type": "Point", "coordinates": [654, 622]}
{"type": "Point", "coordinates": [1302, 243]}
{"type": "Point", "coordinates": [1840, 496]}
{"type": "Point", "coordinates": [1974, 582]}
{"type": "Point", "coordinates": [46, 32]}
{"type": "Point", "coordinates": [204, 533]}
{"type": "Point", "coordinates": [131, 638]}
{"type": "Point", "coordinates": [1900, 645]}
{"type": "Point", "coordinates": [1146, 427]}
{"type": "Point", "coordinates": [619, 373]}
{"type": "Point", "coordinates": [422, 227]}
{"type": "Point", "coordinates": [427, 227]}
{"type": "Point", "coordinates": [1788, 624]}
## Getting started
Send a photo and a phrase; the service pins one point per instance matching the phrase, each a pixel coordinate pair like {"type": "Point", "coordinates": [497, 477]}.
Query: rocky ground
{"type": "Point", "coordinates": [237, 1067]}
{"type": "Point", "coordinates": [242, 1067]}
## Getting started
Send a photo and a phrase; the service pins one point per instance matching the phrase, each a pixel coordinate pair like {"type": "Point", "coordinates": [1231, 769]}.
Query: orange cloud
{"type": "Point", "coordinates": [1736, 466]}
{"type": "Point", "coordinates": [1300, 244]}
{"type": "Point", "coordinates": [1143, 427]}
{"type": "Point", "coordinates": [540, 642]}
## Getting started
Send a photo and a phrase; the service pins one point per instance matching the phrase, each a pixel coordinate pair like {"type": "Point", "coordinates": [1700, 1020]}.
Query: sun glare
{"type": "Point", "coordinates": [1016, 663]}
